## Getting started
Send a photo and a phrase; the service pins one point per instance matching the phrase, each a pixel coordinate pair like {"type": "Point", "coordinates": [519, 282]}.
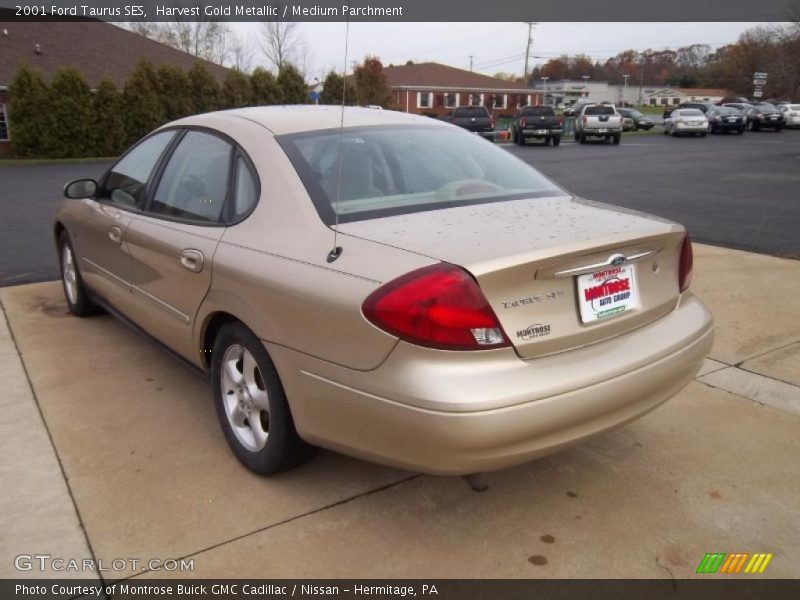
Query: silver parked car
{"type": "Point", "coordinates": [686, 121]}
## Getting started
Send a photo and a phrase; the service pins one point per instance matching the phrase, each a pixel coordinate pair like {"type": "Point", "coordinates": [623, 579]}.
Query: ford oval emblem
{"type": "Point", "coordinates": [616, 260]}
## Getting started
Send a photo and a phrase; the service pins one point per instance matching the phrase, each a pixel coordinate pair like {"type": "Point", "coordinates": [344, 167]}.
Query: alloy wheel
{"type": "Point", "coordinates": [245, 397]}
{"type": "Point", "coordinates": [69, 273]}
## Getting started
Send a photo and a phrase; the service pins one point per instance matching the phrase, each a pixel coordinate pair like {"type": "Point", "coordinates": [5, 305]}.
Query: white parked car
{"type": "Point", "coordinates": [791, 112]}
{"type": "Point", "coordinates": [692, 121]}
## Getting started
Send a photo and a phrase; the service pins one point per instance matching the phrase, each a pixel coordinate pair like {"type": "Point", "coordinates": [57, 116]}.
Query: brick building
{"type": "Point", "coordinates": [95, 48]}
{"type": "Point", "coordinates": [434, 89]}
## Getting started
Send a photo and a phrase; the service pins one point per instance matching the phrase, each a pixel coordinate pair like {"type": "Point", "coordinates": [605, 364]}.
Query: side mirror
{"type": "Point", "coordinates": [80, 188]}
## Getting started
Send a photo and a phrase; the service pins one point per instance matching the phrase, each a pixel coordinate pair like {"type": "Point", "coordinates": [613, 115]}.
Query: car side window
{"type": "Point", "coordinates": [126, 182]}
{"type": "Point", "coordinates": [245, 194]}
{"type": "Point", "coordinates": [194, 184]}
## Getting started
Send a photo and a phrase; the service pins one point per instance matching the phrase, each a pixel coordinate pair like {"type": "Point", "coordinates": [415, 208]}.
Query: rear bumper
{"type": "Point", "coordinates": [457, 413]}
{"type": "Point", "coordinates": [540, 133]}
{"type": "Point", "coordinates": [597, 132]}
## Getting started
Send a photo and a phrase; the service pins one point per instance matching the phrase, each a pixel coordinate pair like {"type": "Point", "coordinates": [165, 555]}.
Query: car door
{"type": "Point", "coordinates": [99, 234]}
{"type": "Point", "coordinates": [172, 243]}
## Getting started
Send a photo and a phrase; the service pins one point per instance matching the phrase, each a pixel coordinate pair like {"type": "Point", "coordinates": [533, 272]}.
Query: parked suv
{"type": "Point", "coordinates": [598, 120]}
{"type": "Point", "coordinates": [476, 119]}
{"type": "Point", "coordinates": [538, 122]}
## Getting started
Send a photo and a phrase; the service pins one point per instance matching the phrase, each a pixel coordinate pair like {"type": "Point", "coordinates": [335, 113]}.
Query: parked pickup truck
{"type": "Point", "coordinates": [539, 122]}
{"type": "Point", "coordinates": [475, 119]}
{"type": "Point", "coordinates": [598, 120]}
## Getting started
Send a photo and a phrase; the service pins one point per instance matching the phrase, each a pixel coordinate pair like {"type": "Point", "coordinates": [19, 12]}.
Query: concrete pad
{"type": "Point", "coordinates": [753, 298]}
{"type": "Point", "coordinates": [709, 366]}
{"type": "Point", "coordinates": [37, 515]}
{"type": "Point", "coordinates": [708, 471]}
{"type": "Point", "coordinates": [758, 388]}
{"type": "Point", "coordinates": [782, 364]}
{"type": "Point", "coordinates": [139, 440]}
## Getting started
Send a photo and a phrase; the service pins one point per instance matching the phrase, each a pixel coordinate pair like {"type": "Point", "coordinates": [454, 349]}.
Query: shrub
{"type": "Point", "coordinates": [70, 115]}
{"type": "Point", "coordinates": [265, 88]}
{"type": "Point", "coordinates": [236, 90]}
{"type": "Point", "coordinates": [143, 108]}
{"type": "Point", "coordinates": [109, 126]}
{"type": "Point", "coordinates": [175, 92]}
{"type": "Point", "coordinates": [28, 114]}
{"type": "Point", "coordinates": [332, 89]}
{"type": "Point", "coordinates": [292, 85]}
{"type": "Point", "coordinates": [203, 89]}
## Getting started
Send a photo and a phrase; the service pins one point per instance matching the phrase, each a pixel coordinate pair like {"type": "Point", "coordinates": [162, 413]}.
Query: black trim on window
{"type": "Point", "coordinates": [227, 211]}
{"type": "Point", "coordinates": [101, 184]}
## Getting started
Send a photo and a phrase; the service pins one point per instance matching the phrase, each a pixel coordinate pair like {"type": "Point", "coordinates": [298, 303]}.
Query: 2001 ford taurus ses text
{"type": "Point", "coordinates": [396, 289]}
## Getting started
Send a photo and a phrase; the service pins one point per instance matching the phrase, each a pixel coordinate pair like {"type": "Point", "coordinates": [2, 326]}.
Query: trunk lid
{"type": "Point", "coordinates": [546, 265]}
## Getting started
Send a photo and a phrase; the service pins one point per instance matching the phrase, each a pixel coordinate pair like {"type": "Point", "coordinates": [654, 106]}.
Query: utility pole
{"type": "Point", "coordinates": [470, 61]}
{"type": "Point", "coordinates": [641, 77]}
{"type": "Point", "coordinates": [528, 52]}
{"type": "Point", "coordinates": [625, 88]}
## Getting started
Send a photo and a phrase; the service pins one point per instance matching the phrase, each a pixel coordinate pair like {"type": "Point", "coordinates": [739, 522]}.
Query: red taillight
{"type": "Point", "coordinates": [523, 122]}
{"type": "Point", "coordinates": [685, 268]}
{"type": "Point", "coordinates": [439, 306]}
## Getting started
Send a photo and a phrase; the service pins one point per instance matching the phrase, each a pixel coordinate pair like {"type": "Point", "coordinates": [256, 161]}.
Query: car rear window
{"type": "Point", "coordinates": [599, 110]}
{"type": "Point", "coordinates": [690, 112]}
{"type": "Point", "coordinates": [538, 111]}
{"type": "Point", "coordinates": [471, 111]}
{"type": "Point", "coordinates": [377, 171]}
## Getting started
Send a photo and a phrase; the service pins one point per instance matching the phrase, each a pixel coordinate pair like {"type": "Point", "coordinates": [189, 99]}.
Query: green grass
{"type": "Point", "coordinates": [23, 162]}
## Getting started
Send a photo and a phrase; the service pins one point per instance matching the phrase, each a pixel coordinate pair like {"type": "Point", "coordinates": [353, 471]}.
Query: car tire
{"type": "Point", "coordinates": [522, 141]}
{"type": "Point", "coordinates": [740, 131]}
{"type": "Point", "coordinates": [556, 140]}
{"type": "Point", "coordinates": [78, 300]}
{"type": "Point", "coordinates": [247, 387]}
{"type": "Point", "coordinates": [703, 134]}
{"type": "Point", "coordinates": [580, 139]}
{"type": "Point", "coordinates": [778, 129]}
{"type": "Point", "coordinates": [673, 133]}
{"type": "Point", "coordinates": [547, 140]}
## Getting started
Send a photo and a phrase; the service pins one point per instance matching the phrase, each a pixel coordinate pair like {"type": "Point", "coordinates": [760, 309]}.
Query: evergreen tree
{"type": "Point", "coordinates": [70, 115]}
{"type": "Point", "coordinates": [236, 91]}
{"type": "Point", "coordinates": [265, 88]}
{"type": "Point", "coordinates": [292, 84]}
{"type": "Point", "coordinates": [142, 100]}
{"type": "Point", "coordinates": [203, 89]}
{"type": "Point", "coordinates": [175, 92]}
{"type": "Point", "coordinates": [109, 126]}
{"type": "Point", "coordinates": [28, 121]}
{"type": "Point", "coordinates": [332, 90]}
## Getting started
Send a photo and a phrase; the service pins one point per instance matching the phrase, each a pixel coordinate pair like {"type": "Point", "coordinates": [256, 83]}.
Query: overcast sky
{"type": "Point", "coordinates": [494, 46]}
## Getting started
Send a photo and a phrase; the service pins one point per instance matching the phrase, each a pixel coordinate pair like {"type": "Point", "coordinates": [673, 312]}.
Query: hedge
{"type": "Point", "coordinates": [66, 119]}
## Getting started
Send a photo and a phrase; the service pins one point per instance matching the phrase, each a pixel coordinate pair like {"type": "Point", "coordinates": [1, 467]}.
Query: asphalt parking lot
{"type": "Point", "coordinates": [733, 191]}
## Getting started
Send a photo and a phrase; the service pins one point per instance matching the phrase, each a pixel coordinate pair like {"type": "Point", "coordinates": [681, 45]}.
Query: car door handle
{"type": "Point", "coordinates": [192, 260]}
{"type": "Point", "coordinates": [115, 234]}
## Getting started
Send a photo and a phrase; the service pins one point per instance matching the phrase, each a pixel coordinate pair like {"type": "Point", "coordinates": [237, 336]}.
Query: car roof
{"type": "Point", "coordinates": [285, 119]}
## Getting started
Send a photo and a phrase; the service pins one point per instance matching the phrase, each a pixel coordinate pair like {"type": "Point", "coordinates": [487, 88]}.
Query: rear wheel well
{"type": "Point", "coordinates": [57, 230]}
{"type": "Point", "coordinates": [215, 323]}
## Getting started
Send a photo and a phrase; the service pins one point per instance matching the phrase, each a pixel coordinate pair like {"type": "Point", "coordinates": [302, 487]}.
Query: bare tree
{"type": "Point", "coordinates": [240, 56]}
{"type": "Point", "coordinates": [204, 39]}
{"type": "Point", "coordinates": [280, 42]}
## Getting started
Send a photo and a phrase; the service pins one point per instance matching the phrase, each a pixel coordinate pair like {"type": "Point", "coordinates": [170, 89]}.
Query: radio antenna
{"type": "Point", "coordinates": [336, 251]}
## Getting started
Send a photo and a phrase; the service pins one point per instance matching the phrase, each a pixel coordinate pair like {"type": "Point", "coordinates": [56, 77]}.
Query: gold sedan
{"type": "Point", "coordinates": [396, 289]}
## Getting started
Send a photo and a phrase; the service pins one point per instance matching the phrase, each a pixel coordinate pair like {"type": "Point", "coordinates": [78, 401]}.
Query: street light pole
{"type": "Point", "coordinates": [545, 89]}
{"type": "Point", "coordinates": [586, 79]}
{"type": "Point", "coordinates": [527, 52]}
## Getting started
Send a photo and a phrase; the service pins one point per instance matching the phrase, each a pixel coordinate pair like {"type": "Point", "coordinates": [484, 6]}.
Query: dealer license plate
{"type": "Point", "coordinates": [607, 293]}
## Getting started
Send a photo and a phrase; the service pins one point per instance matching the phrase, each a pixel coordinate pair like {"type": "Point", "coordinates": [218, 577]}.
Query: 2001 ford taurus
{"type": "Point", "coordinates": [396, 289]}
